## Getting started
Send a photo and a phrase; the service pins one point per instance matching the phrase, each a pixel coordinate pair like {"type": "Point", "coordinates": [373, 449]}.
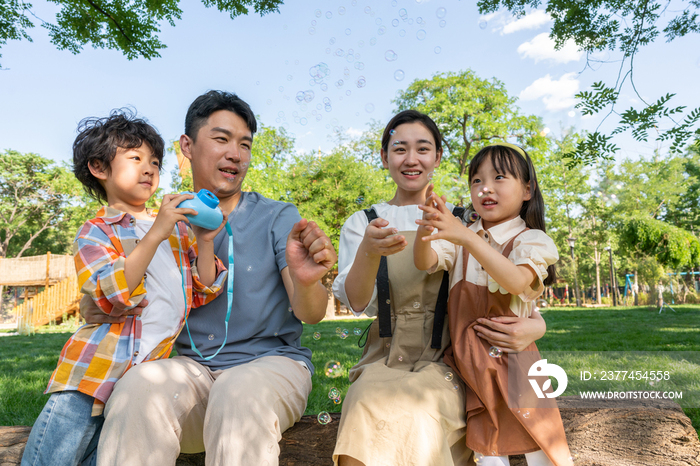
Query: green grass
{"type": "Point", "coordinates": [596, 334]}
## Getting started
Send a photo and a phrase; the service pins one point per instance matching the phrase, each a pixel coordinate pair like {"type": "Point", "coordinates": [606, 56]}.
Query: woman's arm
{"type": "Point", "coordinates": [512, 334]}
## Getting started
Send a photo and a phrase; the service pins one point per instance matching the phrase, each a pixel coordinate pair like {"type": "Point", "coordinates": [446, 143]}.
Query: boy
{"type": "Point", "coordinates": [122, 255]}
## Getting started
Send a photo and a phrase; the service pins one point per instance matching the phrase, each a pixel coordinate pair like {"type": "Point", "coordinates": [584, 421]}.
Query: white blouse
{"type": "Point", "coordinates": [403, 218]}
{"type": "Point", "coordinates": [533, 248]}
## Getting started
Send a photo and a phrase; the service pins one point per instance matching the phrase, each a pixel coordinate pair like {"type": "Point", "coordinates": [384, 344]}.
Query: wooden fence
{"type": "Point", "coordinates": [48, 306]}
{"type": "Point", "coordinates": [41, 270]}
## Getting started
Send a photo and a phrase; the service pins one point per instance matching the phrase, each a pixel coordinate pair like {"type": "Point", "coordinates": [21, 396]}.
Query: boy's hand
{"type": "Point", "coordinates": [380, 241]}
{"type": "Point", "coordinates": [207, 236]}
{"type": "Point", "coordinates": [449, 227]}
{"type": "Point", "coordinates": [169, 214]}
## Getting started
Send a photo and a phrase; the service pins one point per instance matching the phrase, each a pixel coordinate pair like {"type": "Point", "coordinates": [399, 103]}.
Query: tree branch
{"type": "Point", "coordinates": [116, 23]}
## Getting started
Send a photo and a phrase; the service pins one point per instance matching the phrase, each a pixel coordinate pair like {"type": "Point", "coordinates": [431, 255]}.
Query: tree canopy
{"type": "Point", "coordinates": [623, 26]}
{"type": "Point", "coordinates": [132, 27]}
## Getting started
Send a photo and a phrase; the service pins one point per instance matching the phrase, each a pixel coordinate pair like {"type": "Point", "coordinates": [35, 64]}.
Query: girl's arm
{"type": "Point", "coordinates": [512, 334]}
{"type": "Point", "coordinates": [376, 242]}
{"type": "Point", "coordinates": [513, 278]}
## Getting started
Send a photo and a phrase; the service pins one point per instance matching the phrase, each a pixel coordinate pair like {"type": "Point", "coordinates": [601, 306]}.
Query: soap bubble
{"type": "Point", "coordinates": [324, 86]}
{"type": "Point", "coordinates": [403, 14]}
{"type": "Point", "coordinates": [359, 65]}
{"type": "Point", "coordinates": [333, 369]}
{"type": "Point", "coordinates": [319, 72]}
{"type": "Point", "coordinates": [392, 132]}
{"type": "Point", "coordinates": [348, 31]}
{"type": "Point", "coordinates": [420, 35]}
{"type": "Point", "coordinates": [312, 30]}
{"type": "Point", "coordinates": [483, 24]}
{"type": "Point", "coordinates": [381, 31]}
{"type": "Point", "coordinates": [381, 424]}
{"type": "Point", "coordinates": [373, 41]}
{"type": "Point", "coordinates": [399, 75]}
{"type": "Point", "coordinates": [338, 330]}
{"type": "Point", "coordinates": [357, 331]}
{"type": "Point", "coordinates": [438, 49]}
{"type": "Point", "coordinates": [175, 396]}
{"type": "Point", "coordinates": [442, 23]}
{"type": "Point", "coordinates": [211, 336]}
{"type": "Point", "coordinates": [348, 92]}
{"type": "Point", "coordinates": [339, 83]}
{"type": "Point", "coordinates": [419, 20]}
{"type": "Point", "coordinates": [317, 335]}
{"type": "Point", "coordinates": [390, 55]}
{"type": "Point", "coordinates": [303, 121]}
{"type": "Point", "coordinates": [289, 77]}
{"type": "Point", "coordinates": [341, 10]}
{"type": "Point", "coordinates": [318, 13]}
{"type": "Point", "coordinates": [313, 23]}
{"type": "Point", "coordinates": [449, 376]}
{"type": "Point", "coordinates": [369, 108]}
{"type": "Point", "coordinates": [402, 33]}
{"type": "Point", "coordinates": [329, 15]}
{"type": "Point", "coordinates": [572, 113]}
{"type": "Point", "coordinates": [395, 23]}
{"type": "Point", "coordinates": [281, 89]}
{"type": "Point", "coordinates": [360, 199]}
{"type": "Point", "coordinates": [400, 358]}
{"type": "Point", "coordinates": [368, 10]}
{"type": "Point", "coordinates": [361, 82]}
{"type": "Point", "coordinates": [333, 393]}
{"type": "Point", "coordinates": [495, 352]}
{"type": "Point", "coordinates": [338, 400]}
{"type": "Point", "coordinates": [324, 418]}
{"type": "Point", "coordinates": [331, 41]}
{"type": "Point", "coordinates": [441, 12]}
{"type": "Point", "coordinates": [339, 52]}
{"type": "Point", "coordinates": [526, 414]}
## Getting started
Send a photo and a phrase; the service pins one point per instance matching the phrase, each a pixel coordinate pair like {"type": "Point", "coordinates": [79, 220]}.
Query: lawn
{"type": "Point", "coordinates": [602, 338]}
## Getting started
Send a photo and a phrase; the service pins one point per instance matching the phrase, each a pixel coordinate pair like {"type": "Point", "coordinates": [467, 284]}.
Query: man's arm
{"type": "Point", "coordinates": [310, 255]}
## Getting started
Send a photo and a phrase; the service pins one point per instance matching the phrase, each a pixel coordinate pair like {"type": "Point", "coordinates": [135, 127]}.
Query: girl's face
{"type": "Point", "coordinates": [502, 199]}
{"type": "Point", "coordinates": [411, 159]}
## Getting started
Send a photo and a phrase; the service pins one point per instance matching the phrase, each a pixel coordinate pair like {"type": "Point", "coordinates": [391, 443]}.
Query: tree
{"type": "Point", "coordinates": [131, 27]}
{"type": "Point", "coordinates": [471, 113]}
{"type": "Point", "coordinates": [623, 26]}
{"type": "Point", "coordinates": [272, 149]}
{"type": "Point", "coordinates": [673, 247]}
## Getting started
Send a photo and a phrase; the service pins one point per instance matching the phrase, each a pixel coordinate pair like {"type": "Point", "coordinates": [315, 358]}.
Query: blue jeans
{"type": "Point", "coordinates": [65, 433]}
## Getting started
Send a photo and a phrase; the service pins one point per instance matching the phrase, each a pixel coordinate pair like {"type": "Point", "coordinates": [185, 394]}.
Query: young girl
{"type": "Point", "coordinates": [502, 263]}
{"type": "Point", "coordinates": [400, 408]}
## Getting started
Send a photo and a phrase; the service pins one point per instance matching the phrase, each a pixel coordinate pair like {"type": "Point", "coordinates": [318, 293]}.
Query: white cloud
{"type": "Point", "coordinates": [530, 21]}
{"type": "Point", "coordinates": [541, 47]}
{"type": "Point", "coordinates": [352, 132]}
{"type": "Point", "coordinates": [556, 94]}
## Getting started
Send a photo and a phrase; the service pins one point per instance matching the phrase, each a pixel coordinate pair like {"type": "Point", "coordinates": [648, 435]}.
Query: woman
{"type": "Point", "coordinates": [404, 405]}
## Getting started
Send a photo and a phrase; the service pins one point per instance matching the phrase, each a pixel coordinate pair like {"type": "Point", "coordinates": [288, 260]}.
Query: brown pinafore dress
{"type": "Point", "coordinates": [504, 417]}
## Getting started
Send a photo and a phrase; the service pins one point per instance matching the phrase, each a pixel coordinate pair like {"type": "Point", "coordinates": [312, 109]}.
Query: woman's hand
{"type": "Point", "coordinates": [511, 334]}
{"type": "Point", "coordinates": [381, 241]}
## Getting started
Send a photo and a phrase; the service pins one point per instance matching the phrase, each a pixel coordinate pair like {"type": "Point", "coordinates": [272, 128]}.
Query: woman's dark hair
{"type": "Point", "coordinates": [98, 140]}
{"type": "Point", "coordinates": [213, 101]}
{"type": "Point", "coordinates": [510, 161]}
{"type": "Point", "coordinates": [411, 116]}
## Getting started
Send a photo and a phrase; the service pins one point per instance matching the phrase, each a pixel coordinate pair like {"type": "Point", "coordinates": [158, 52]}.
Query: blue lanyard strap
{"type": "Point", "coordinates": [229, 295]}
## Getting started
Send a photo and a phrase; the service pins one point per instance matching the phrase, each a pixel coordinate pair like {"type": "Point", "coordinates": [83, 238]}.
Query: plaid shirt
{"type": "Point", "coordinates": [97, 355]}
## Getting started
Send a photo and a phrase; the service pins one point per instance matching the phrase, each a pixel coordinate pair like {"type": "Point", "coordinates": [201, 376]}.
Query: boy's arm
{"type": "Point", "coordinates": [202, 292]}
{"type": "Point", "coordinates": [206, 260]}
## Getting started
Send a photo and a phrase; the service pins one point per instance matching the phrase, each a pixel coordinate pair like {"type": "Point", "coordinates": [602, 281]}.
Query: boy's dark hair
{"type": "Point", "coordinates": [213, 101]}
{"type": "Point", "coordinates": [411, 116]}
{"type": "Point", "coordinates": [98, 140]}
{"type": "Point", "coordinates": [508, 160]}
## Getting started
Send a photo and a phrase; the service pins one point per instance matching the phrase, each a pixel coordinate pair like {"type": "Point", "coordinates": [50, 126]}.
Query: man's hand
{"type": "Point", "coordinates": [94, 315]}
{"type": "Point", "coordinates": [310, 253]}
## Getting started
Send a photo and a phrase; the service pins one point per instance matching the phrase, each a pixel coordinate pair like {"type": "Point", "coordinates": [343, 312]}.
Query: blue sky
{"type": "Point", "coordinates": [45, 92]}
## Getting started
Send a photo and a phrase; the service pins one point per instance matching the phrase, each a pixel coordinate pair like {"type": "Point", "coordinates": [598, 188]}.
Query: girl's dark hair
{"type": "Point", "coordinates": [411, 116]}
{"type": "Point", "coordinates": [508, 160]}
{"type": "Point", "coordinates": [98, 140]}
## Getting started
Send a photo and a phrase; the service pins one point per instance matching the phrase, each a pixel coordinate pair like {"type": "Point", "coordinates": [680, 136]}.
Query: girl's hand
{"type": "Point", "coordinates": [449, 227]}
{"type": "Point", "coordinates": [511, 334]}
{"type": "Point", "coordinates": [380, 241]}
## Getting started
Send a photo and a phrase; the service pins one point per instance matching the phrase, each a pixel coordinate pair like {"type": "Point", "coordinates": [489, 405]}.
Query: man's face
{"type": "Point", "coordinates": [220, 154]}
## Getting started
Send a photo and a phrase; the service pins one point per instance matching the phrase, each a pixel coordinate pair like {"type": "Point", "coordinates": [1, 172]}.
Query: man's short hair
{"type": "Point", "coordinates": [213, 101]}
{"type": "Point", "coordinates": [98, 140]}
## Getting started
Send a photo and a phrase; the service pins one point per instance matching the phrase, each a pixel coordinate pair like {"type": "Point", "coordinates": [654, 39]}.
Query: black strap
{"type": "Point", "coordinates": [383, 295]}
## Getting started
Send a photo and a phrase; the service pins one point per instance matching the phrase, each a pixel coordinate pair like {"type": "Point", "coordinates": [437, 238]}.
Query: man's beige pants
{"type": "Point", "coordinates": [161, 408]}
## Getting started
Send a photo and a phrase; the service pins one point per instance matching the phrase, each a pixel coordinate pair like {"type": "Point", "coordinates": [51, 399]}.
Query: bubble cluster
{"type": "Point", "coordinates": [324, 418]}
{"type": "Point", "coordinates": [305, 96]}
{"type": "Point", "coordinates": [495, 352]}
{"type": "Point", "coordinates": [317, 335]}
{"type": "Point", "coordinates": [319, 72]}
{"type": "Point", "coordinates": [333, 369]}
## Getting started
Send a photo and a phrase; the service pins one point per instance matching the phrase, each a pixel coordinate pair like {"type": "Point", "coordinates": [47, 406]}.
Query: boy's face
{"type": "Point", "coordinates": [132, 178]}
{"type": "Point", "coordinates": [220, 154]}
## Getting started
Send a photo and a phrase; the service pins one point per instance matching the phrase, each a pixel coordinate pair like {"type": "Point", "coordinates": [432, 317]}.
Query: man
{"type": "Point", "coordinates": [236, 403]}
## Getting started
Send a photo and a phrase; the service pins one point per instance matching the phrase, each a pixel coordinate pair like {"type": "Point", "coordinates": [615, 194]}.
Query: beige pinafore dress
{"type": "Point", "coordinates": [401, 408]}
{"type": "Point", "coordinates": [504, 417]}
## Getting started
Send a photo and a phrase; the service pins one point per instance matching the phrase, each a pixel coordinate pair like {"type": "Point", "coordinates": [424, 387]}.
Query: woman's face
{"type": "Point", "coordinates": [411, 157]}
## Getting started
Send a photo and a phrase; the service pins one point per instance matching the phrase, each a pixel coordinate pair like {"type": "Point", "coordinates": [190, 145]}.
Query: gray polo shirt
{"type": "Point", "coordinates": [261, 323]}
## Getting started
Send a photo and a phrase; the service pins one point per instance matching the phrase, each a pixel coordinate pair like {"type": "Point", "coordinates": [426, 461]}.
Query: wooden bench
{"type": "Point", "coordinates": [600, 433]}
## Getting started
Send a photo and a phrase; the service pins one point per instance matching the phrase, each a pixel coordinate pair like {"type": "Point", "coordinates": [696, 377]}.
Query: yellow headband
{"type": "Point", "coordinates": [517, 149]}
